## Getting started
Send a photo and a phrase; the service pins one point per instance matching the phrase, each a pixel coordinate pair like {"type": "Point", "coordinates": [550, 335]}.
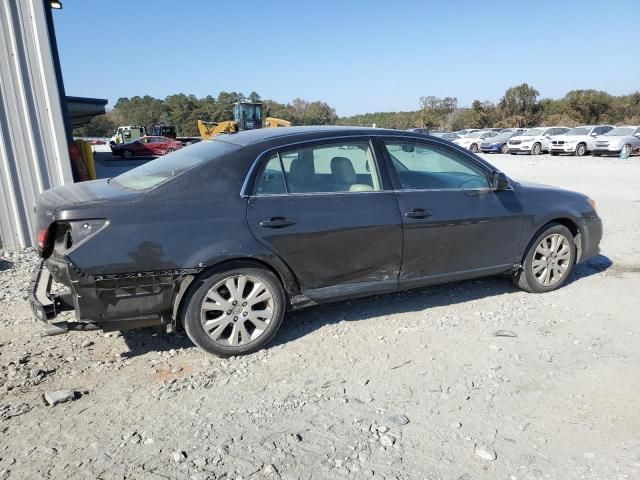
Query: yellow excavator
{"type": "Point", "coordinates": [246, 116]}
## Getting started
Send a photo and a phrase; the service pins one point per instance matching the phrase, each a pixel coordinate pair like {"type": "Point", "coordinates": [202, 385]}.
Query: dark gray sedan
{"type": "Point", "coordinates": [223, 237]}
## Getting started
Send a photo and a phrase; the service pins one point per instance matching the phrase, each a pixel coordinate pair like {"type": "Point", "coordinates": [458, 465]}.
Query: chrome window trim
{"type": "Point", "coordinates": [244, 191]}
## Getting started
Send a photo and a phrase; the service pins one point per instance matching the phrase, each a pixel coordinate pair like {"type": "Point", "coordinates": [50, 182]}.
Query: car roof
{"type": "Point", "coordinates": [252, 137]}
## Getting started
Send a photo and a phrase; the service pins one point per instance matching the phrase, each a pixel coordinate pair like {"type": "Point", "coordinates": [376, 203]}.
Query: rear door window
{"type": "Point", "coordinates": [324, 168]}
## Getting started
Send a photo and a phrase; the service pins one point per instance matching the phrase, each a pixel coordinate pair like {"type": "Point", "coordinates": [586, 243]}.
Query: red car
{"type": "Point", "coordinates": [146, 147]}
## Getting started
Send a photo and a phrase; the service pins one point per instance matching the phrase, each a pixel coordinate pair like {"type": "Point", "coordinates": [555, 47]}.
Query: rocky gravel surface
{"type": "Point", "coordinates": [473, 380]}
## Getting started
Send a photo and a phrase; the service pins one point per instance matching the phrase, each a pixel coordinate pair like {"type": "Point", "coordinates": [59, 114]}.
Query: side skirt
{"type": "Point", "coordinates": [346, 291]}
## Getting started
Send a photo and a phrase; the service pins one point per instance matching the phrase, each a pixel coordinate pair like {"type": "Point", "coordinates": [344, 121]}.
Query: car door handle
{"type": "Point", "coordinates": [277, 222]}
{"type": "Point", "coordinates": [418, 213]}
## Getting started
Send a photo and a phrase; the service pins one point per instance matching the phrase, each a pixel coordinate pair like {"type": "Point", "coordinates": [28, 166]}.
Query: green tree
{"type": "Point", "coordinates": [588, 105]}
{"type": "Point", "coordinates": [435, 110]}
{"type": "Point", "coordinates": [520, 106]}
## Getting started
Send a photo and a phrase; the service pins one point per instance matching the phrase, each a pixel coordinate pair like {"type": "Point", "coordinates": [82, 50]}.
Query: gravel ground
{"type": "Point", "coordinates": [408, 385]}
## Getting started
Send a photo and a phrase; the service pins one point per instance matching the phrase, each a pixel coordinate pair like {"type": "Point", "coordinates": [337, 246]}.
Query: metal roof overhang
{"type": "Point", "coordinates": [82, 110]}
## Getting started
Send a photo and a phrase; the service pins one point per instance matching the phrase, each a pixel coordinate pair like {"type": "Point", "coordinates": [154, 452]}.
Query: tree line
{"type": "Point", "coordinates": [520, 106]}
{"type": "Point", "coordinates": [184, 111]}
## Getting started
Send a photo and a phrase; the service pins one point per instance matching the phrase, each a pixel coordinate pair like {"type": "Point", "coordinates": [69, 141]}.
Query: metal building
{"type": "Point", "coordinates": [35, 128]}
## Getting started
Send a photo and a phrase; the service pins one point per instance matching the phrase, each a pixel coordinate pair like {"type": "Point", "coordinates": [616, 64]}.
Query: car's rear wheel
{"type": "Point", "coordinates": [234, 312]}
{"type": "Point", "coordinates": [128, 154]}
{"type": "Point", "coordinates": [536, 149]}
{"type": "Point", "coordinates": [581, 149]}
{"type": "Point", "coordinates": [474, 148]}
{"type": "Point", "coordinates": [504, 149]}
{"type": "Point", "coordinates": [549, 261]}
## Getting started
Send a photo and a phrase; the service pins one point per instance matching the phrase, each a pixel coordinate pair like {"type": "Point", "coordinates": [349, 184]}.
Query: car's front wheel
{"type": "Point", "coordinates": [581, 149]}
{"type": "Point", "coordinates": [234, 312]}
{"type": "Point", "coordinates": [549, 261]}
{"type": "Point", "coordinates": [536, 149]}
{"type": "Point", "coordinates": [504, 149]}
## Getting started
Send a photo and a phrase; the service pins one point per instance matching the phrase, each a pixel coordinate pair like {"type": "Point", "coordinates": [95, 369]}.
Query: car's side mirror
{"type": "Point", "coordinates": [499, 181]}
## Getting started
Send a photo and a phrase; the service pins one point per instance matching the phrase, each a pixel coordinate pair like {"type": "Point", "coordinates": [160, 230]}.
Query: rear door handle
{"type": "Point", "coordinates": [277, 222]}
{"type": "Point", "coordinates": [418, 213]}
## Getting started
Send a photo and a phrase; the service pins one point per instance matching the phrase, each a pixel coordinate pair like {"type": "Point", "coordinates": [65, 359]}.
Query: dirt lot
{"type": "Point", "coordinates": [409, 385]}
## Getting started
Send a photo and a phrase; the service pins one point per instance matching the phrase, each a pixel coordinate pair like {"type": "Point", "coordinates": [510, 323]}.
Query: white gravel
{"type": "Point", "coordinates": [408, 385]}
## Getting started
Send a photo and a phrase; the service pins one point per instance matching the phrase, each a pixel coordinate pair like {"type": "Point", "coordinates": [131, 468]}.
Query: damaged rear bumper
{"type": "Point", "coordinates": [45, 305]}
{"type": "Point", "coordinates": [109, 302]}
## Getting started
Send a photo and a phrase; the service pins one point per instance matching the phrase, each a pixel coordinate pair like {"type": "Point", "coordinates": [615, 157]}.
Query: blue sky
{"type": "Point", "coordinates": [358, 56]}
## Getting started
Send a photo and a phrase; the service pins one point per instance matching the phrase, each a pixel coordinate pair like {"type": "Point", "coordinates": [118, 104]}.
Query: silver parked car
{"type": "Point", "coordinates": [615, 141]}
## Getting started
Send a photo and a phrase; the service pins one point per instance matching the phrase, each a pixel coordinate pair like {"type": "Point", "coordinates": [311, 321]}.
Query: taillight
{"type": "Point", "coordinates": [42, 239]}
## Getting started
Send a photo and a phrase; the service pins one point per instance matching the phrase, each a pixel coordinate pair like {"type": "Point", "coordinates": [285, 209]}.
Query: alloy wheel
{"type": "Point", "coordinates": [536, 149]}
{"type": "Point", "coordinates": [127, 154]}
{"type": "Point", "coordinates": [237, 310]}
{"type": "Point", "coordinates": [580, 150]}
{"type": "Point", "coordinates": [551, 260]}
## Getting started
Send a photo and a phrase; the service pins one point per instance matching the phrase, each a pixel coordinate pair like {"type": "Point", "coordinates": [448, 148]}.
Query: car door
{"type": "Point", "coordinates": [455, 225]}
{"type": "Point", "coordinates": [158, 146]}
{"type": "Point", "coordinates": [143, 147]}
{"type": "Point", "coordinates": [327, 212]}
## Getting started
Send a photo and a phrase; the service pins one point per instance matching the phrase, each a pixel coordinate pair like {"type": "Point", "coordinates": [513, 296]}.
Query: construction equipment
{"type": "Point", "coordinates": [246, 116]}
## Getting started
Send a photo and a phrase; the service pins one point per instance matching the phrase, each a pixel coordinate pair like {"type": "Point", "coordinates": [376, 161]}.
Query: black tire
{"type": "Point", "coordinates": [474, 148]}
{"type": "Point", "coordinates": [525, 278]}
{"type": "Point", "coordinates": [581, 150]}
{"type": "Point", "coordinates": [504, 149]}
{"type": "Point", "coordinates": [536, 149]}
{"type": "Point", "coordinates": [127, 154]}
{"type": "Point", "coordinates": [193, 316]}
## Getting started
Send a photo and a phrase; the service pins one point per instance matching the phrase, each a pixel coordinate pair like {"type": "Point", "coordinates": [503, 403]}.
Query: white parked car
{"type": "Point", "coordinates": [473, 140]}
{"type": "Point", "coordinates": [578, 141]}
{"type": "Point", "coordinates": [466, 131]}
{"type": "Point", "coordinates": [614, 141]}
{"type": "Point", "coordinates": [535, 140]}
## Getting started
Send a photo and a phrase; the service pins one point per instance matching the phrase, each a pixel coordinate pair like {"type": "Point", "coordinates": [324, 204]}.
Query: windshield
{"type": "Point", "coordinates": [621, 131]}
{"type": "Point", "coordinates": [502, 136]}
{"type": "Point", "coordinates": [162, 169]}
{"type": "Point", "coordinates": [533, 132]}
{"type": "Point", "coordinates": [474, 134]}
{"type": "Point", "coordinates": [579, 131]}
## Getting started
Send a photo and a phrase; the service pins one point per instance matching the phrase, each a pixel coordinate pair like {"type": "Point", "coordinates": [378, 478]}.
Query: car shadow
{"type": "Point", "coordinates": [303, 322]}
{"type": "Point", "coordinates": [300, 323]}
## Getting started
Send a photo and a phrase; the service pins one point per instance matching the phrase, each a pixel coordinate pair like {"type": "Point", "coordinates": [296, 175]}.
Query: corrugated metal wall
{"type": "Point", "coordinates": [34, 153]}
